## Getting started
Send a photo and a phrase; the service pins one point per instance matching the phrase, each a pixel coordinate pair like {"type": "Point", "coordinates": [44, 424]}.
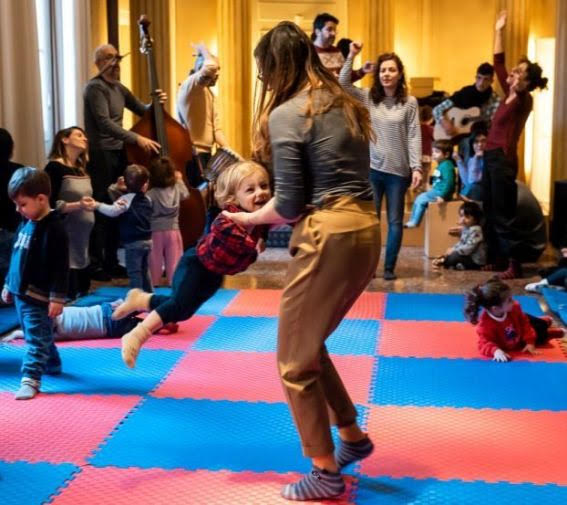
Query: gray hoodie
{"type": "Point", "coordinates": [165, 204]}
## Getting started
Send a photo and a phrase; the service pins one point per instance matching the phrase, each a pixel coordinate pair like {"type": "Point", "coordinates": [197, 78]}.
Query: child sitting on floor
{"type": "Point", "coordinates": [503, 326]}
{"type": "Point", "coordinates": [442, 185]}
{"type": "Point", "coordinates": [226, 249]}
{"type": "Point", "coordinates": [37, 279]}
{"type": "Point", "coordinates": [469, 253]}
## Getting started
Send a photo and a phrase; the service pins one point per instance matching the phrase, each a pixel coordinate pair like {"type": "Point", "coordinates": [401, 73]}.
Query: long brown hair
{"type": "Point", "coordinates": [377, 93]}
{"type": "Point", "coordinates": [287, 64]}
{"type": "Point", "coordinates": [58, 150]}
{"type": "Point", "coordinates": [490, 294]}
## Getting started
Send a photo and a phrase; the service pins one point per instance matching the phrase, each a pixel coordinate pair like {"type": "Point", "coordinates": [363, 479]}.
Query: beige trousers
{"type": "Point", "coordinates": [335, 251]}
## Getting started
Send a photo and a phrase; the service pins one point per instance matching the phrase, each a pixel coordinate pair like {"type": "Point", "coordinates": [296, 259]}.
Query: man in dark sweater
{"type": "Point", "coordinates": [38, 275]}
{"type": "Point", "coordinates": [105, 98]}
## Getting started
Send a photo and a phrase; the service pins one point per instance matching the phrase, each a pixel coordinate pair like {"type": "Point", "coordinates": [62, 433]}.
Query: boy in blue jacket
{"type": "Point", "coordinates": [38, 275]}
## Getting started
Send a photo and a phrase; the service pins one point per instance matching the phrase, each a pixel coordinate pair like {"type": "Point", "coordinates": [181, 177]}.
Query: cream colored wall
{"type": "Point", "coordinates": [438, 39]}
{"type": "Point", "coordinates": [194, 22]}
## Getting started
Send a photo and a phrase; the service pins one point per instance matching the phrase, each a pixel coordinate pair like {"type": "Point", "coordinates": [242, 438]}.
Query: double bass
{"type": "Point", "coordinates": [175, 143]}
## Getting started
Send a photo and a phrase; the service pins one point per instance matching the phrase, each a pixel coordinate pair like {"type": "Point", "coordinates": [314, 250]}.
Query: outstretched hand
{"type": "Point", "coordinates": [355, 48]}
{"type": "Point", "coordinates": [501, 20]}
{"type": "Point", "coordinates": [500, 356]}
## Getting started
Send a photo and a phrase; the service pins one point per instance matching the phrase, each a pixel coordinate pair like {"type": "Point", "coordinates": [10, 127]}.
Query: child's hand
{"type": "Point", "coordinates": [54, 309]}
{"type": "Point", "coordinates": [439, 200]}
{"type": "Point", "coordinates": [500, 356]}
{"type": "Point", "coordinates": [261, 246]}
{"type": "Point", "coordinates": [121, 184]}
{"type": "Point", "coordinates": [7, 296]}
{"type": "Point", "coordinates": [451, 250]}
{"type": "Point", "coordinates": [178, 175]}
{"type": "Point", "coordinates": [531, 349]}
{"type": "Point", "coordinates": [88, 203]}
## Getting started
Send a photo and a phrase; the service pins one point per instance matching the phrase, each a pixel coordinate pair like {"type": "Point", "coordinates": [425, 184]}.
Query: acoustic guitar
{"type": "Point", "coordinates": [462, 121]}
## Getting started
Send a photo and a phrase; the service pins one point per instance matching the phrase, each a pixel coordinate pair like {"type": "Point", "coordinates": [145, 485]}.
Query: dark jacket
{"type": "Point", "coordinates": [135, 223]}
{"type": "Point", "coordinates": [44, 276]}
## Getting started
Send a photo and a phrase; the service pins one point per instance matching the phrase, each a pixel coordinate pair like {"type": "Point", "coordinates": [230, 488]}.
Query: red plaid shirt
{"type": "Point", "coordinates": [229, 249]}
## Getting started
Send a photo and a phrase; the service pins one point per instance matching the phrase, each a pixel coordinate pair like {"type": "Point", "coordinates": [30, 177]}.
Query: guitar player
{"type": "Point", "coordinates": [480, 94]}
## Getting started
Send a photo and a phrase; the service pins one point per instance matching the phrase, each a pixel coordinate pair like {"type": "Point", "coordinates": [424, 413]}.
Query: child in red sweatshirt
{"type": "Point", "coordinates": [502, 325]}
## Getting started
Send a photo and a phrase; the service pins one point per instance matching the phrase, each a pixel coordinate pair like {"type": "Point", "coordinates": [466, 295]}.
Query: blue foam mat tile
{"type": "Point", "coordinates": [93, 371]}
{"type": "Point", "coordinates": [469, 383]}
{"type": "Point", "coordinates": [208, 435]}
{"type": "Point", "coordinates": [217, 303]}
{"type": "Point", "coordinates": [389, 491]}
{"type": "Point", "coordinates": [24, 483]}
{"type": "Point", "coordinates": [8, 319]}
{"type": "Point", "coordinates": [557, 301]}
{"type": "Point", "coordinates": [259, 334]}
{"type": "Point", "coordinates": [440, 307]}
{"type": "Point", "coordinates": [109, 294]}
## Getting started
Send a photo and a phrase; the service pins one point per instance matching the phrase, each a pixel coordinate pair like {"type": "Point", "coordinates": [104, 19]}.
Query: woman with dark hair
{"type": "Point", "coordinates": [315, 136]}
{"type": "Point", "coordinates": [395, 155]}
{"type": "Point", "coordinates": [9, 217]}
{"type": "Point", "coordinates": [69, 184]}
{"type": "Point", "coordinates": [500, 193]}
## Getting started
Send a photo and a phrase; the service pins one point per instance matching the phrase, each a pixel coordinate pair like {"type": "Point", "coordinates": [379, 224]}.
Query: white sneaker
{"type": "Point", "coordinates": [536, 287]}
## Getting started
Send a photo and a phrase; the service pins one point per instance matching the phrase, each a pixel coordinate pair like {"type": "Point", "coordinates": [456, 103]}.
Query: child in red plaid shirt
{"type": "Point", "coordinates": [226, 249]}
{"type": "Point", "coordinates": [503, 326]}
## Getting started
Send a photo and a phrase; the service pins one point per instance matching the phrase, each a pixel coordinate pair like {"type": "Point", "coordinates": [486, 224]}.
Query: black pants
{"type": "Point", "coordinates": [192, 285]}
{"type": "Point", "coordinates": [454, 259]}
{"type": "Point", "coordinates": [79, 282]}
{"type": "Point", "coordinates": [540, 327]}
{"type": "Point", "coordinates": [500, 201]}
{"type": "Point", "coordinates": [104, 168]}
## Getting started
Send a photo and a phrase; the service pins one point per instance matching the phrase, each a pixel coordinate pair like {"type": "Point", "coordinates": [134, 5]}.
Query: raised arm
{"type": "Point", "coordinates": [499, 60]}
{"type": "Point", "coordinates": [498, 29]}
{"type": "Point", "coordinates": [345, 77]}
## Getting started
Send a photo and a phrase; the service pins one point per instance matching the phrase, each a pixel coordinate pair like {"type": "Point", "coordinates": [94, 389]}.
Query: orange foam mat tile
{"type": "Point", "coordinates": [469, 444]}
{"type": "Point", "coordinates": [253, 377]}
{"type": "Point", "coordinates": [266, 302]}
{"type": "Point", "coordinates": [439, 339]}
{"type": "Point", "coordinates": [58, 428]}
{"type": "Point", "coordinates": [125, 486]}
{"type": "Point", "coordinates": [188, 332]}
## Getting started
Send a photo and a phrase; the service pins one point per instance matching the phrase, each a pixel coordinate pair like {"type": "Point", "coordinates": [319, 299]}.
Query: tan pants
{"type": "Point", "coordinates": [335, 251]}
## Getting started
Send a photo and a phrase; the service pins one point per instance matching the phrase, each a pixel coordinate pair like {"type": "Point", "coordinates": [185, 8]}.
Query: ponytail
{"type": "Point", "coordinates": [490, 294]}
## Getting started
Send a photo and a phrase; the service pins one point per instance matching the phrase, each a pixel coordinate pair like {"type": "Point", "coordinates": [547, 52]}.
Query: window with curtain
{"type": "Point", "coordinates": [63, 33]}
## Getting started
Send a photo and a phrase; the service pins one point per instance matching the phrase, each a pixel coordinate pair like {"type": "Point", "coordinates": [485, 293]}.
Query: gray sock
{"type": "Point", "coordinates": [316, 485]}
{"type": "Point", "coordinates": [349, 452]}
{"type": "Point", "coordinates": [28, 389]}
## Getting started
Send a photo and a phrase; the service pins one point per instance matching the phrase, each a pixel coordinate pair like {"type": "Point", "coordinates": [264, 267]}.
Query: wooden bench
{"type": "Point", "coordinates": [439, 217]}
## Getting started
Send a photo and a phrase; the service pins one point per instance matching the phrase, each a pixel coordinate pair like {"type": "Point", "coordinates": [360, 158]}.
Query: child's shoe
{"type": "Point", "coordinates": [132, 342]}
{"type": "Point", "coordinates": [536, 287]}
{"type": "Point", "coordinates": [514, 271]}
{"type": "Point", "coordinates": [29, 388]}
{"type": "Point", "coordinates": [410, 224]}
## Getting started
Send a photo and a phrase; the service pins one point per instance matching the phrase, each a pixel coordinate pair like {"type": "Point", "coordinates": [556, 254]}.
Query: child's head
{"type": "Point", "coordinates": [136, 178]}
{"type": "Point", "coordinates": [30, 190]}
{"type": "Point", "coordinates": [470, 214]}
{"type": "Point", "coordinates": [442, 150]}
{"type": "Point", "coordinates": [425, 114]}
{"type": "Point", "coordinates": [244, 184]}
{"type": "Point", "coordinates": [479, 142]}
{"type": "Point", "coordinates": [162, 173]}
{"type": "Point", "coordinates": [494, 295]}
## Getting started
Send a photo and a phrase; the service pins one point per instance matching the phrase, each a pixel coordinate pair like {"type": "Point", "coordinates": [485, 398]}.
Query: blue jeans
{"type": "Point", "coordinates": [421, 203]}
{"type": "Point", "coordinates": [395, 188]}
{"type": "Point", "coordinates": [192, 285]}
{"type": "Point", "coordinates": [138, 267]}
{"type": "Point", "coordinates": [41, 353]}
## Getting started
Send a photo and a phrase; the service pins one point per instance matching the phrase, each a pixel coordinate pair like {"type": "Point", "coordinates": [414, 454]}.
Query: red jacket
{"type": "Point", "coordinates": [511, 334]}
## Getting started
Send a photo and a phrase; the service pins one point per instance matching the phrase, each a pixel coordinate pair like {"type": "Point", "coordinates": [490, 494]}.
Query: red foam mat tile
{"type": "Point", "coordinates": [124, 486]}
{"type": "Point", "coordinates": [265, 303]}
{"type": "Point", "coordinates": [243, 376]}
{"type": "Point", "coordinates": [468, 444]}
{"type": "Point", "coordinates": [58, 428]}
{"type": "Point", "coordinates": [427, 339]}
{"type": "Point", "coordinates": [189, 331]}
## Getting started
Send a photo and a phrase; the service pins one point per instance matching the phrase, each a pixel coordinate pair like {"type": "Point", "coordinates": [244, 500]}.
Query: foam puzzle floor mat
{"type": "Point", "coordinates": [202, 418]}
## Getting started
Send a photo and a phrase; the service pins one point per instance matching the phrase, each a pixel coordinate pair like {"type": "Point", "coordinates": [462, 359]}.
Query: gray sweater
{"type": "Point", "coordinates": [310, 165]}
{"type": "Point", "coordinates": [397, 149]}
{"type": "Point", "coordinates": [104, 109]}
{"type": "Point", "coordinates": [165, 206]}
